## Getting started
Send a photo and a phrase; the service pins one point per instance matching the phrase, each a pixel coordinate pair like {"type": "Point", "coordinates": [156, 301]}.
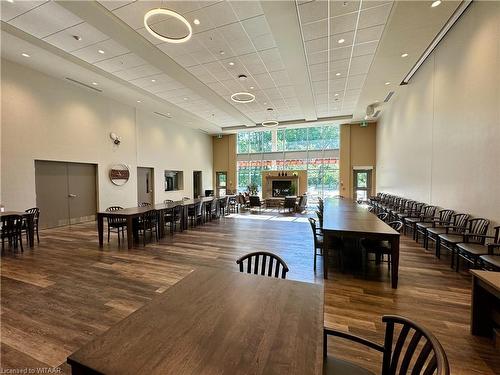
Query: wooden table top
{"type": "Point", "coordinates": [8, 213]}
{"type": "Point", "coordinates": [345, 215]}
{"type": "Point", "coordinates": [158, 206]}
{"type": "Point", "coordinates": [489, 277]}
{"type": "Point", "coordinates": [217, 322]}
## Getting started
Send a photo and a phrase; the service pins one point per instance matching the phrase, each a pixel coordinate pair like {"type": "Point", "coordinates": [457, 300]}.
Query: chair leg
{"type": "Point", "coordinates": [37, 237]}
{"type": "Point", "coordinates": [21, 240]}
{"type": "Point", "coordinates": [109, 231]}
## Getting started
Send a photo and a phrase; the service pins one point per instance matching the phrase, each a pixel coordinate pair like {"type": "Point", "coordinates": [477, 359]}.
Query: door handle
{"type": "Point", "coordinates": [72, 195]}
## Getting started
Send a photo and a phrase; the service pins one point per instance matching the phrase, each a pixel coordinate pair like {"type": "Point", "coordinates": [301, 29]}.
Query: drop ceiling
{"type": "Point", "coordinates": [318, 68]}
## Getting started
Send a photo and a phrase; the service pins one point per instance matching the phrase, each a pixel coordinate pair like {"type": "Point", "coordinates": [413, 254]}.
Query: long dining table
{"type": "Point", "coordinates": [131, 213]}
{"type": "Point", "coordinates": [344, 217]}
{"type": "Point", "coordinates": [215, 321]}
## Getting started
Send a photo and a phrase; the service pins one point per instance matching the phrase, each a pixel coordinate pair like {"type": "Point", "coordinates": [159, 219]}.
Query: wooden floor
{"type": "Point", "coordinates": [58, 296]}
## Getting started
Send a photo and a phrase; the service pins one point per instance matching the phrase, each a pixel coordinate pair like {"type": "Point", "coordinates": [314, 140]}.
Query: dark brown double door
{"type": "Point", "coordinates": [66, 193]}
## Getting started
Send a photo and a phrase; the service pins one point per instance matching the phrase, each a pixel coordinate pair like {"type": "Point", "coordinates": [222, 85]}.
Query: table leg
{"type": "Point", "coordinates": [100, 228]}
{"type": "Point", "coordinates": [394, 261]}
{"type": "Point", "coordinates": [31, 231]}
{"type": "Point", "coordinates": [326, 245]}
{"type": "Point", "coordinates": [480, 321]}
{"type": "Point", "coordinates": [161, 223]}
{"type": "Point", "coordinates": [130, 235]}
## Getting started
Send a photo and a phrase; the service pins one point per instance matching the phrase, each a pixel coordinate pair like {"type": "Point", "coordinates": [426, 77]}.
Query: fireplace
{"type": "Point", "coordinates": [282, 188]}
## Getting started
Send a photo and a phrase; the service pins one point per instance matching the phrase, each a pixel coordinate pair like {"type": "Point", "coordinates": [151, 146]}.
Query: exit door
{"type": "Point", "coordinates": [145, 185]}
{"type": "Point", "coordinates": [362, 184]}
{"type": "Point", "coordinates": [66, 193]}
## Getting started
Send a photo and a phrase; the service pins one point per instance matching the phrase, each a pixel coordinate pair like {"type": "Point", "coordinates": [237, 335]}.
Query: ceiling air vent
{"type": "Point", "coordinates": [162, 114]}
{"type": "Point", "coordinates": [389, 96]}
{"type": "Point", "coordinates": [83, 84]}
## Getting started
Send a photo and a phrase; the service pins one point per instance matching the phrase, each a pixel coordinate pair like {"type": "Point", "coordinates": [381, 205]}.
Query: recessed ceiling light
{"type": "Point", "coordinates": [337, 74]}
{"type": "Point", "coordinates": [242, 77]}
{"type": "Point", "coordinates": [77, 37]}
{"type": "Point", "coordinates": [222, 52]}
{"type": "Point", "coordinates": [10, 1]}
{"type": "Point", "coordinates": [95, 83]}
{"type": "Point", "coordinates": [336, 94]}
{"type": "Point", "coordinates": [243, 97]}
{"type": "Point", "coordinates": [100, 51]}
{"type": "Point", "coordinates": [168, 113]}
{"type": "Point", "coordinates": [139, 101]}
{"type": "Point", "coordinates": [404, 55]}
{"type": "Point", "coordinates": [171, 13]}
{"type": "Point", "coordinates": [25, 54]}
{"type": "Point", "coordinates": [435, 3]}
{"type": "Point", "coordinates": [265, 103]}
{"type": "Point", "coordinates": [153, 80]}
{"type": "Point", "coordinates": [340, 41]}
{"type": "Point", "coordinates": [251, 87]}
{"type": "Point", "coordinates": [196, 21]}
{"type": "Point", "coordinates": [387, 83]}
{"type": "Point", "coordinates": [231, 63]}
{"type": "Point", "coordinates": [185, 98]}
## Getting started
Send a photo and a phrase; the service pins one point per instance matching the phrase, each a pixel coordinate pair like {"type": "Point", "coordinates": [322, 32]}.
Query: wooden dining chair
{"type": "Point", "coordinates": [475, 231]}
{"type": "Point", "coordinates": [35, 212]}
{"type": "Point", "coordinates": [116, 223]}
{"type": "Point", "coordinates": [318, 239]}
{"type": "Point", "coordinates": [426, 214]}
{"type": "Point", "coordinates": [443, 218]}
{"type": "Point", "coordinates": [11, 230]}
{"type": "Point", "coordinates": [383, 216]}
{"type": "Point", "coordinates": [408, 348]}
{"type": "Point", "coordinates": [474, 246]}
{"type": "Point", "coordinates": [149, 223]}
{"type": "Point", "coordinates": [457, 224]}
{"type": "Point", "coordinates": [380, 248]}
{"type": "Point", "coordinates": [263, 263]}
{"type": "Point", "coordinates": [256, 202]}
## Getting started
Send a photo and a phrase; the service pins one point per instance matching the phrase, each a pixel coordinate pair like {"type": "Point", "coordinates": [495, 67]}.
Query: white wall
{"type": "Point", "coordinates": [44, 118]}
{"type": "Point", "coordinates": [438, 141]}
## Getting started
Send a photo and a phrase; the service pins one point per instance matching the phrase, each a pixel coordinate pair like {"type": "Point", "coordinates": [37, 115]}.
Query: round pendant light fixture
{"type": "Point", "coordinates": [170, 13]}
{"type": "Point", "coordinates": [243, 97]}
{"type": "Point", "coordinates": [270, 123]}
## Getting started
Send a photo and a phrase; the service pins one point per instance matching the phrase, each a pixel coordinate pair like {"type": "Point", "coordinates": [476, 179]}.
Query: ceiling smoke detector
{"type": "Point", "coordinates": [242, 77]}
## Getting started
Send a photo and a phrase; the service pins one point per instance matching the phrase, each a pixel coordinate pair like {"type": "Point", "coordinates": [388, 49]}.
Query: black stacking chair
{"type": "Point", "coordinates": [412, 349]}
{"type": "Point", "coordinates": [35, 212]}
{"type": "Point", "coordinates": [444, 218]}
{"type": "Point", "coordinates": [380, 248]}
{"type": "Point", "coordinates": [256, 202]}
{"type": "Point", "coordinates": [458, 224]}
{"type": "Point", "coordinates": [149, 223]}
{"type": "Point", "coordinates": [318, 239]}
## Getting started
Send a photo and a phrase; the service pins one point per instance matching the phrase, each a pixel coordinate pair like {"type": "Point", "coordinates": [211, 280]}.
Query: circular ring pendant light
{"type": "Point", "coordinates": [270, 123]}
{"type": "Point", "coordinates": [243, 97]}
{"type": "Point", "coordinates": [171, 13]}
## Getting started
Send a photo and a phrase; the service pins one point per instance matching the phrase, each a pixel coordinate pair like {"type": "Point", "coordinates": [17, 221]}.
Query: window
{"type": "Point", "coordinates": [314, 149]}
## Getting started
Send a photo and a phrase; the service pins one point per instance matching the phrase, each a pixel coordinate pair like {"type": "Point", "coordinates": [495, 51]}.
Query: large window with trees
{"type": "Point", "coordinates": [314, 149]}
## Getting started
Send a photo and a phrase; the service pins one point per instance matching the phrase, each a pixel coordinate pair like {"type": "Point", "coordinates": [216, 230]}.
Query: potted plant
{"type": "Point", "coordinates": [253, 189]}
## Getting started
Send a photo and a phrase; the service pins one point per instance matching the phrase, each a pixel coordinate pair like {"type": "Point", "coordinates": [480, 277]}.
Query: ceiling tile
{"type": "Point", "coordinates": [65, 39]}
{"type": "Point", "coordinates": [11, 10]}
{"type": "Point", "coordinates": [137, 72]}
{"type": "Point", "coordinates": [374, 16]}
{"type": "Point", "coordinates": [361, 64]}
{"type": "Point", "coordinates": [246, 9]}
{"type": "Point", "coordinates": [369, 34]}
{"type": "Point", "coordinates": [91, 53]}
{"type": "Point", "coordinates": [46, 19]}
{"type": "Point", "coordinates": [127, 61]}
{"type": "Point", "coordinates": [114, 4]}
{"type": "Point", "coordinates": [313, 11]}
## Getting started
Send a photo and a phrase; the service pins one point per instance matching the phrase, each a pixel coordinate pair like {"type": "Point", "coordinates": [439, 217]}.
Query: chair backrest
{"type": "Point", "coordinates": [428, 212]}
{"type": "Point", "coordinates": [445, 216]}
{"type": "Point", "coordinates": [254, 201]}
{"type": "Point", "coordinates": [289, 202]}
{"type": "Point", "coordinates": [11, 225]}
{"type": "Point", "coordinates": [496, 237]}
{"type": "Point", "coordinates": [396, 225]}
{"type": "Point", "coordinates": [114, 220]}
{"type": "Point", "coordinates": [198, 208]}
{"type": "Point", "coordinates": [478, 226]}
{"type": "Point", "coordinates": [412, 350]}
{"type": "Point", "coordinates": [319, 214]}
{"type": "Point", "coordinates": [382, 216]}
{"type": "Point", "coordinates": [144, 204]}
{"type": "Point", "coordinates": [418, 208]}
{"type": "Point", "coordinates": [263, 263]}
{"type": "Point", "coordinates": [35, 211]}
{"type": "Point", "coordinates": [314, 227]}
{"type": "Point", "coordinates": [460, 222]}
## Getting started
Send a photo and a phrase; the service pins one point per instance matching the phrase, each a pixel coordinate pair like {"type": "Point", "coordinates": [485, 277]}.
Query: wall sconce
{"type": "Point", "coordinates": [116, 140]}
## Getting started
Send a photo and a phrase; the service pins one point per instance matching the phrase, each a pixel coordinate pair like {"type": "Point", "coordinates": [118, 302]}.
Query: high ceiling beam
{"type": "Point", "coordinates": [284, 22]}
